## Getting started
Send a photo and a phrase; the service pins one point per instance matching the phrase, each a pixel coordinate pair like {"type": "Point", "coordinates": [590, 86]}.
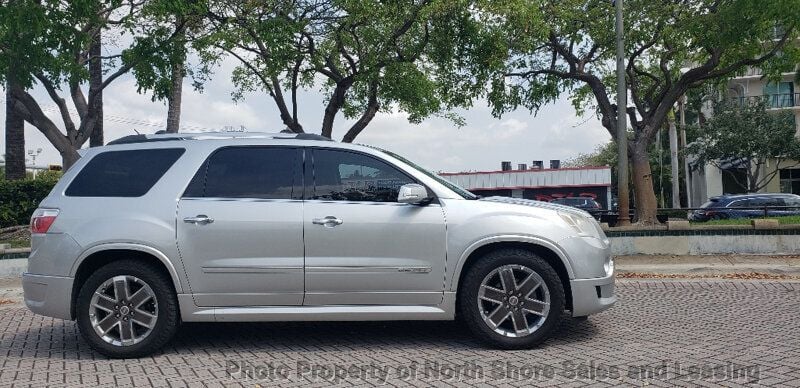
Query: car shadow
{"type": "Point", "coordinates": [327, 336]}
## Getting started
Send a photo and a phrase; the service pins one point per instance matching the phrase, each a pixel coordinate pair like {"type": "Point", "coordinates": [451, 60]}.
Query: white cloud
{"type": "Point", "coordinates": [556, 133]}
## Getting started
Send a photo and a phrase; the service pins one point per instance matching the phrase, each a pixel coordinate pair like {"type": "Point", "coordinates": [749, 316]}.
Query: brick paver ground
{"type": "Point", "coordinates": [662, 333]}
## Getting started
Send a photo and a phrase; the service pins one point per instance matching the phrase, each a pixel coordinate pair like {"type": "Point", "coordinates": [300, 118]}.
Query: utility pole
{"type": "Point", "coordinates": [624, 217]}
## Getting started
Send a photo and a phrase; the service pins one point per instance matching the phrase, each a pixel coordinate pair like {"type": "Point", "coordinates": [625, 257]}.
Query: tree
{"type": "Point", "coordinates": [15, 138]}
{"type": "Point", "coordinates": [671, 47]}
{"type": "Point", "coordinates": [15, 34]}
{"type": "Point", "coordinates": [747, 136]}
{"type": "Point", "coordinates": [172, 26]}
{"type": "Point", "coordinates": [365, 56]}
{"type": "Point", "coordinates": [67, 51]}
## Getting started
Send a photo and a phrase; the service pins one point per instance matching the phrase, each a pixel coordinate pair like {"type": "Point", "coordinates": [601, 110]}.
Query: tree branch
{"type": "Point", "coordinates": [60, 102]}
{"type": "Point", "coordinates": [367, 116]}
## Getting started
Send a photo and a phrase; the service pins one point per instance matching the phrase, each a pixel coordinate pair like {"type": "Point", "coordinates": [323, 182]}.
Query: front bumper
{"type": "Point", "coordinates": [590, 296]}
{"type": "Point", "coordinates": [48, 295]}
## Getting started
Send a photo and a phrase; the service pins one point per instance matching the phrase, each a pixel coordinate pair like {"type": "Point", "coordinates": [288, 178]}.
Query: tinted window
{"type": "Point", "coordinates": [766, 201]}
{"type": "Point", "coordinates": [741, 203]}
{"type": "Point", "coordinates": [348, 176]}
{"type": "Point", "coordinates": [123, 173]}
{"type": "Point", "coordinates": [248, 172]}
{"type": "Point", "coordinates": [792, 201]}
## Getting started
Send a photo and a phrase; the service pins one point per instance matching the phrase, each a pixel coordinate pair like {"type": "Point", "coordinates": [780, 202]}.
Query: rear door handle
{"type": "Point", "coordinates": [329, 221]}
{"type": "Point", "coordinates": [201, 219]}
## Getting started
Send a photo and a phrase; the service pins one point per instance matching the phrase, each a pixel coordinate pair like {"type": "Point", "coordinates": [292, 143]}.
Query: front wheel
{"type": "Point", "coordinates": [127, 309]}
{"type": "Point", "coordinates": [512, 299]}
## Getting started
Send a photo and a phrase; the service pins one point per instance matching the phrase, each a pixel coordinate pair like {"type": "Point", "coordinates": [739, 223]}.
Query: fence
{"type": "Point", "coordinates": [705, 214]}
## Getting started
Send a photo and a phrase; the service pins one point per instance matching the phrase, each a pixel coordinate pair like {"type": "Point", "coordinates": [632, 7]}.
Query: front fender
{"type": "Point", "coordinates": [519, 238]}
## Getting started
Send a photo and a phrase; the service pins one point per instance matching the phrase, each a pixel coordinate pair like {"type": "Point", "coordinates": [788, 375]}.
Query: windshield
{"type": "Point", "coordinates": [458, 190]}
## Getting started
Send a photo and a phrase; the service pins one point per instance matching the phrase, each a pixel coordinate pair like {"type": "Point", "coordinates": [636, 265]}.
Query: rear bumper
{"type": "Point", "coordinates": [48, 295]}
{"type": "Point", "coordinates": [590, 296]}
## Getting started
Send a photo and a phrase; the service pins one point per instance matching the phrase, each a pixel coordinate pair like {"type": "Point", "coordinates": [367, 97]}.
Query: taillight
{"type": "Point", "coordinates": [42, 219]}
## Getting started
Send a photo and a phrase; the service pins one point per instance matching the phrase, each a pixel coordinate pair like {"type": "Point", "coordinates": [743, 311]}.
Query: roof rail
{"type": "Point", "coordinates": [160, 136]}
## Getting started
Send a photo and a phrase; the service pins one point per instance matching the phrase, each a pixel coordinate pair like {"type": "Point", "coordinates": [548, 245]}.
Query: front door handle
{"type": "Point", "coordinates": [328, 222]}
{"type": "Point", "coordinates": [201, 219]}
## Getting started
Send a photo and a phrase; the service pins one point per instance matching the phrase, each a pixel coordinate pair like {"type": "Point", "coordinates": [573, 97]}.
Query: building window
{"type": "Point", "coordinates": [790, 180]}
{"type": "Point", "coordinates": [779, 95]}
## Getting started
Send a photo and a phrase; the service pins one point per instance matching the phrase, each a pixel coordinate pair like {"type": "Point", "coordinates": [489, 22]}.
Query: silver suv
{"type": "Point", "coordinates": [154, 230]}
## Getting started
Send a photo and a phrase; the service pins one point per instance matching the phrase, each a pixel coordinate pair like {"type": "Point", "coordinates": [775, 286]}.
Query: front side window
{"type": "Point", "coordinates": [249, 172]}
{"type": "Point", "coordinates": [348, 176]}
{"type": "Point", "coordinates": [129, 173]}
{"type": "Point", "coordinates": [741, 203]}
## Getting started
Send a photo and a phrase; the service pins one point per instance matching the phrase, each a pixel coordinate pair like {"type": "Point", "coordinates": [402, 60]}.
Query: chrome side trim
{"type": "Point", "coordinates": [251, 269]}
{"type": "Point", "coordinates": [415, 269]}
{"type": "Point", "coordinates": [357, 268]}
{"type": "Point", "coordinates": [223, 199]}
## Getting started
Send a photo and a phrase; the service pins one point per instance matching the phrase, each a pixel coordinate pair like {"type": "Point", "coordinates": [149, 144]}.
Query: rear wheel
{"type": "Point", "coordinates": [127, 309]}
{"type": "Point", "coordinates": [512, 299]}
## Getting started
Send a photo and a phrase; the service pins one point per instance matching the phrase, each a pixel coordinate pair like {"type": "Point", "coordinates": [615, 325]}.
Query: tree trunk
{"type": "Point", "coordinates": [68, 158]}
{"type": "Point", "coordinates": [15, 139]}
{"type": "Point", "coordinates": [176, 87]}
{"type": "Point", "coordinates": [673, 161]}
{"type": "Point", "coordinates": [366, 117]}
{"type": "Point", "coordinates": [96, 79]}
{"type": "Point", "coordinates": [645, 196]}
{"type": "Point", "coordinates": [174, 102]}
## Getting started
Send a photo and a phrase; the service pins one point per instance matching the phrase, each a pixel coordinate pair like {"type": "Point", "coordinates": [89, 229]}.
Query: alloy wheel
{"type": "Point", "coordinates": [513, 300]}
{"type": "Point", "coordinates": [123, 310]}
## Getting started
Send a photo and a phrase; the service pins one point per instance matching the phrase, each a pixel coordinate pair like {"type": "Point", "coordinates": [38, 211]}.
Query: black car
{"type": "Point", "coordinates": [583, 203]}
{"type": "Point", "coordinates": [747, 206]}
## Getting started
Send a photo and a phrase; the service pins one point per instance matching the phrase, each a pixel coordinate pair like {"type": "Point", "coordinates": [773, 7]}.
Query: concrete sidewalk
{"type": "Point", "coordinates": [709, 265]}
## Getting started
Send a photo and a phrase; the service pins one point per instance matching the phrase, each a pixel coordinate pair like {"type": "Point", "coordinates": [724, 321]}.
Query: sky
{"type": "Point", "coordinates": [556, 132]}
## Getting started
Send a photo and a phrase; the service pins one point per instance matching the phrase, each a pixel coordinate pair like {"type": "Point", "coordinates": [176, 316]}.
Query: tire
{"type": "Point", "coordinates": [150, 324]}
{"type": "Point", "coordinates": [474, 306]}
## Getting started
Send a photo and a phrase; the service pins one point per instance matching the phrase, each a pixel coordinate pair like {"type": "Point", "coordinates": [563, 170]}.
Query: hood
{"type": "Point", "coordinates": [537, 204]}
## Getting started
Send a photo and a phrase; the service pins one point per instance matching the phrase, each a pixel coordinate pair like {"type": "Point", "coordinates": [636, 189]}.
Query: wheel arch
{"type": "Point", "coordinates": [542, 248]}
{"type": "Point", "coordinates": [100, 255]}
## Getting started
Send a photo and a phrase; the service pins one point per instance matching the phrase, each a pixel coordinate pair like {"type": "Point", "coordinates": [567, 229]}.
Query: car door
{"type": "Point", "coordinates": [240, 228]}
{"type": "Point", "coordinates": [362, 246]}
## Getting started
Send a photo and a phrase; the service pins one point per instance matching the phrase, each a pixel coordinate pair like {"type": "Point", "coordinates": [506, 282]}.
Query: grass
{"type": "Point", "coordinates": [746, 221]}
{"type": "Point", "coordinates": [16, 243]}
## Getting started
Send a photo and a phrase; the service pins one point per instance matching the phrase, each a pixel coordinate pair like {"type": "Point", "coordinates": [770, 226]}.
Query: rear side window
{"type": "Point", "coordinates": [249, 172]}
{"type": "Point", "coordinates": [123, 173]}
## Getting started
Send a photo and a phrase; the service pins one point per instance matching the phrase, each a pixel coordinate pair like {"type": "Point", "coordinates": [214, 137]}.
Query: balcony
{"type": "Point", "coordinates": [750, 72]}
{"type": "Point", "coordinates": [787, 100]}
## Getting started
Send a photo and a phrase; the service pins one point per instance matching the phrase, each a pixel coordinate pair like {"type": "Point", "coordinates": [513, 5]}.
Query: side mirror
{"type": "Point", "coordinates": [412, 193]}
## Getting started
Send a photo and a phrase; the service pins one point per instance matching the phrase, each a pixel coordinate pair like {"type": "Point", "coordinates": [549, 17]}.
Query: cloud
{"type": "Point", "coordinates": [555, 133]}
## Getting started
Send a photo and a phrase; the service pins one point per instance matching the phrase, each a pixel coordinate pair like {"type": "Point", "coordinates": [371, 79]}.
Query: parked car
{"type": "Point", "coordinates": [747, 206]}
{"type": "Point", "coordinates": [153, 230]}
{"type": "Point", "coordinates": [584, 203]}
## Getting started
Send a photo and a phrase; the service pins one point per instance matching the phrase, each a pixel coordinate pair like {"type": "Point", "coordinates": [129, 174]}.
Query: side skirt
{"type": "Point", "coordinates": [191, 313]}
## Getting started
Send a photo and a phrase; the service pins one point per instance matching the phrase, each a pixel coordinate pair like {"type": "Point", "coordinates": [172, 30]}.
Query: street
{"type": "Point", "coordinates": [662, 333]}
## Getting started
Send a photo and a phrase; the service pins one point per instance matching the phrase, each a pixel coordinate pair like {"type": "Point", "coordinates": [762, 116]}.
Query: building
{"type": "Point", "coordinates": [538, 183]}
{"type": "Point", "coordinates": [750, 86]}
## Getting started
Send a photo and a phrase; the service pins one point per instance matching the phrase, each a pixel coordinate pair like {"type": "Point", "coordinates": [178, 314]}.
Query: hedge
{"type": "Point", "coordinates": [18, 199]}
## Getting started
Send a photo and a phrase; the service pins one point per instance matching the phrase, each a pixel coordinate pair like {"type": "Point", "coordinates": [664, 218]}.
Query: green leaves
{"type": "Point", "coordinates": [18, 199]}
{"type": "Point", "coordinates": [747, 134]}
{"type": "Point", "coordinates": [423, 57]}
{"type": "Point", "coordinates": [747, 131]}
